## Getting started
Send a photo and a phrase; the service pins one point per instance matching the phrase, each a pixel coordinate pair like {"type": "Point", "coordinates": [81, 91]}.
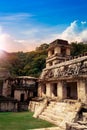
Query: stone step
{"type": "Point", "coordinates": [61, 117]}
{"type": "Point", "coordinates": [47, 119]}
{"type": "Point", "coordinates": [51, 128]}
{"type": "Point", "coordinates": [60, 113]}
{"type": "Point", "coordinates": [50, 107]}
{"type": "Point", "coordinates": [52, 116]}
{"type": "Point", "coordinates": [55, 112]}
{"type": "Point", "coordinates": [57, 123]}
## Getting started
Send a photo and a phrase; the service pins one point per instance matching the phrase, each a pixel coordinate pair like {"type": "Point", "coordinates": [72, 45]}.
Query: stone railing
{"type": "Point", "coordinates": [40, 109]}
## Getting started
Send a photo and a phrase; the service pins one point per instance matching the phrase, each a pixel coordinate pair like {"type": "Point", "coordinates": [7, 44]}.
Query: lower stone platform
{"type": "Point", "coordinates": [51, 128]}
{"type": "Point", "coordinates": [58, 113]}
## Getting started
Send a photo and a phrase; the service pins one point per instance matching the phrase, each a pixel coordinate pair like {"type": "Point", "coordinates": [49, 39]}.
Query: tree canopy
{"type": "Point", "coordinates": [32, 63]}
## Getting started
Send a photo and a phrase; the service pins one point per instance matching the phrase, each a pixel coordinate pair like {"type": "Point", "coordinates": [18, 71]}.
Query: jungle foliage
{"type": "Point", "coordinates": [32, 63]}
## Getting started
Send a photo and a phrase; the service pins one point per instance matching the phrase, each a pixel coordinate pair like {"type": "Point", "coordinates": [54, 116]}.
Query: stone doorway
{"type": "Point", "coordinates": [44, 89]}
{"type": "Point", "coordinates": [63, 51]}
{"type": "Point", "coordinates": [54, 89]}
{"type": "Point", "coordinates": [22, 97]}
{"type": "Point", "coordinates": [71, 90]}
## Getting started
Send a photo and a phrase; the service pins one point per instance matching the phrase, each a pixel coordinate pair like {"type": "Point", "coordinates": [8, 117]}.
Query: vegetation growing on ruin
{"type": "Point", "coordinates": [32, 63]}
{"type": "Point", "coordinates": [21, 121]}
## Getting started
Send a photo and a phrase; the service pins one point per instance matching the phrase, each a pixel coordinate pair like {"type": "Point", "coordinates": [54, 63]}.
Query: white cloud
{"type": "Point", "coordinates": [8, 43]}
{"type": "Point", "coordinates": [38, 35]}
{"type": "Point", "coordinates": [70, 32]}
{"type": "Point", "coordinates": [83, 22]}
{"type": "Point", "coordinates": [73, 33]}
{"type": "Point", "coordinates": [13, 17]}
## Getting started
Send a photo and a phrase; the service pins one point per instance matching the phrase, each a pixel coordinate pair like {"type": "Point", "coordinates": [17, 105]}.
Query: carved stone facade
{"type": "Point", "coordinates": [64, 77]}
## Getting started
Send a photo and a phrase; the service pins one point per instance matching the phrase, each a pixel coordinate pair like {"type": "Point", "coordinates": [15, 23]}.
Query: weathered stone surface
{"type": "Point", "coordinates": [61, 113]}
{"type": "Point", "coordinates": [76, 126]}
{"type": "Point", "coordinates": [73, 67]}
{"type": "Point", "coordinates": [52, 128]}
{"type": "Point", "coordinates": [40, 109]}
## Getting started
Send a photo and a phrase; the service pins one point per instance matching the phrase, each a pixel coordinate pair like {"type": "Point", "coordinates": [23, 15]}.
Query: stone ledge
{"type": "Point", "coordinates": [51, 128]}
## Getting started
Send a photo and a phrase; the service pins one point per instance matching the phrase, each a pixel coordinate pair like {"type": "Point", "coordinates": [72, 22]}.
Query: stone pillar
{"type": "Point", "coordinates": [52, 89]}
{"type": "Point", "coordinates": [57, 50]}
{"type": "Point", "coordinates": [17, 94]}
{"type": "Point", "coordinates": [47, 64]}
{"type": "Point", "coordinates": [48, 90]}
{"type": "Point", "coordinates": [49, 53]}
{"type": "Point", "coordinates": [60, 90]}
{"type": "Point", "coordinates": [64, 90]}
{"type": "Point", "coordinates": [43, 90]}
{"type": "Point", "coordinates": [5, 88]}
{"type": "Point", "coordinates": [81, 90]}
{"type": "Point", "coordinates": [68, 51]}
{"type": "Point", "coordinates": [39, 90]}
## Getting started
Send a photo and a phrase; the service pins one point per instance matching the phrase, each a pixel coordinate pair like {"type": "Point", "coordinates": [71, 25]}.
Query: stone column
{"type": "Point", "coordinates": [57, 50]}
{"type": "Point", "coordinates": [68, 51]}
{"type": "Point", "coordinates": [17, 94]}
{"type": "Point", "coordinates": [60, 90]}
{"type": "Point", "coordinates": [52, 89]}
{"type": "Point", "coordinates": [43, 90]}
{"type": "Point", "coordinates": [49, 53]}
{"type": "Point", "coordinates": [5, 88]}
{"type": "Point", "coordinates": [81, 90]}
{"type": "Point", "coordinates": [47, 65]}
{"type": "Point", "coordinates": [39, 90]}
{"type": "Point", "coordinates": [64, 90]}
{"type": "Point", "coordinates": [48, 90]}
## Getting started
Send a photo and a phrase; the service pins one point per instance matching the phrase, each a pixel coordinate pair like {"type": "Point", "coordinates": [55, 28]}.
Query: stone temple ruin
{"type": "Point", "coordinates": [16, 92]}
{"type": "Point", "coordinates": [63, 86]}
{"type": "Point", "coordinates": [58, 96]}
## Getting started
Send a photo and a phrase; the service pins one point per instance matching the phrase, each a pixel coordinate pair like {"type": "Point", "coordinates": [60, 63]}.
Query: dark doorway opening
{"type": "Point", "coordinates": [44, 89]}
{"type": "Point", "coordinates": [55, 89]}
{"type": "Point", "coordinates": [1, 86]}
{"type": "Point", "coordinates": [63, 51]}
{"type": "Point", "coordinates": [22, 97]}
{"type": "Point", "coordinates": [71, 90]}
{"type": "Point", "coordinates": [12, 93]}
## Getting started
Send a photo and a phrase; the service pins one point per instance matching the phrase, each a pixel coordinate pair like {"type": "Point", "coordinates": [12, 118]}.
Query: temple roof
{"type": "Point", "coordinates": [58, 42]}
{"type": "Point", "coordinates": [26, 77]}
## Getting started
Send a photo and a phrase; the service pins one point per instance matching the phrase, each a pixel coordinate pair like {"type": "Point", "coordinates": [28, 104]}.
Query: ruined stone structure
{"type": "Point", "coordinates": [62, 89]}
{"type": "Point", "coordinates": [23, 89]}
{"type": "Point", "coordinates": [64, 77]}
{"type": "Point", "coordinates": [64, 83]}
{"type": "Point", "coordinates": [6, 102]}
{"type": "Point", "coordinates": [15, 93]}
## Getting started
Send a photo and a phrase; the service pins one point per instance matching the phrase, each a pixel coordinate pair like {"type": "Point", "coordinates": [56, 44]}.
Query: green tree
{"type": "Point", "coordinates": [78, 48]}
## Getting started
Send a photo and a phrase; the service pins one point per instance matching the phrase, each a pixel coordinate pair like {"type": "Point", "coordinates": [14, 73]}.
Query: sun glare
{"type": "Point", "coordinates": [1, 47]}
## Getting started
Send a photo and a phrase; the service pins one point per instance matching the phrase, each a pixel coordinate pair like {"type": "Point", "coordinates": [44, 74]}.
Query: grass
{"type": "Point", "coordinates": [21, 121]}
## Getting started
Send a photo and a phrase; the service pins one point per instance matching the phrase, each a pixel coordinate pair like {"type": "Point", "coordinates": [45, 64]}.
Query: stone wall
{"type": "Point", "coordinates": [17, 94]}
{"type": "Point", "coordinates": [81, 86]}
{"type": "Point", "coordinates": [76, 126]}
{"type": "Point", "coordinates": [8, 106]}
{"type": "Point", "coordinates": [33, 105]}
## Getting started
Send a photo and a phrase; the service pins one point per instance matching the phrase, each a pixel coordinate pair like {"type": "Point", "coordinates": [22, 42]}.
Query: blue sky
{"type": "Point", "coordinates": [25, 24]}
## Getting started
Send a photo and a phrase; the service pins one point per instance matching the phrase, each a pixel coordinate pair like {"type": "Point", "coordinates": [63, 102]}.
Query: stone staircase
{"type": "Point", "coordinates": [60, 113]}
